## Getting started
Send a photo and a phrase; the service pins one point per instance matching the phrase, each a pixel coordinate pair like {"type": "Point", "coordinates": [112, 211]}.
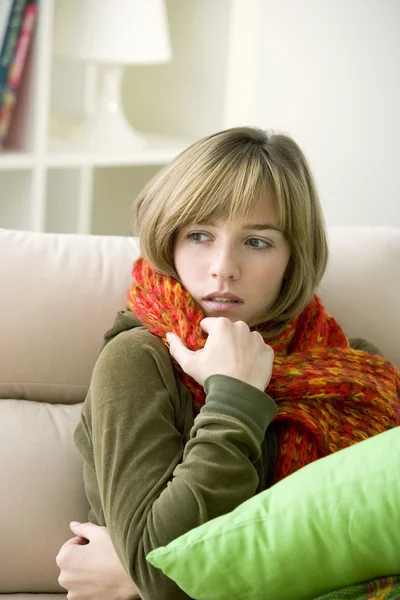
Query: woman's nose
{"type": "Point", "coordinates": [224, 266]}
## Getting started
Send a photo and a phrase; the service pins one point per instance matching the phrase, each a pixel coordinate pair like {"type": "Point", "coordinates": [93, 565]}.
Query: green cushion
{"type": "Point", "coordinates": [334, 523]}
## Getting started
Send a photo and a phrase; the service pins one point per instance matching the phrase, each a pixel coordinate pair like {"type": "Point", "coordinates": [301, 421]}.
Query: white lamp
{"type": "Point", "coordinates": [112, 34]}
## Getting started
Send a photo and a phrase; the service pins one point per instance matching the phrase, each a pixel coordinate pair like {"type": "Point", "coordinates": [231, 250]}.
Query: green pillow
{"type": "Point", "coordinates": [334, 523]}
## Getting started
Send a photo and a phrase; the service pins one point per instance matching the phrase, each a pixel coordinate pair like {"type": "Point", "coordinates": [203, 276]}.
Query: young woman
{"type": "Point", "coordinates": [225, 374]}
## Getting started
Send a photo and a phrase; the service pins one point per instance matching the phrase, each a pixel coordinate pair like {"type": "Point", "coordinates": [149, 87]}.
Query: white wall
{"type": "Point", "coordinates": [185, 97]}
{"type": "Point", "coordinates": [329, 74]}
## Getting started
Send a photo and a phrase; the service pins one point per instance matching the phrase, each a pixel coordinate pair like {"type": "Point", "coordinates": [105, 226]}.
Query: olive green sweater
{"type": "Point", "coordinates": [151, 471]}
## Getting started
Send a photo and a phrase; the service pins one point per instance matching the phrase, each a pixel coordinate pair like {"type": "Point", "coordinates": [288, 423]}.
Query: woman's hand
{"type": "Point", "coordinates": [231, 349]}
{"type": "Point", "coordinates": [90, 568]}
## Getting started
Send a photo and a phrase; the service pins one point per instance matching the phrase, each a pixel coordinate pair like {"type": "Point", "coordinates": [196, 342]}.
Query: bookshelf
{"type": "Point", "coordinates": [48, 185]}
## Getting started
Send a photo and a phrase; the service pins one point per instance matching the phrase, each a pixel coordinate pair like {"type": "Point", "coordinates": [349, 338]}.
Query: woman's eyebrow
{"type": "Point", "coordinates": [260, 226]}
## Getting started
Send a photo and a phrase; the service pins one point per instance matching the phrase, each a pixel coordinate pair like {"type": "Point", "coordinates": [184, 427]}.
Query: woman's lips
{"type": "Point", "coordinates": [222, 306]}
{"type": "Point", "coordinates": [218, 295]}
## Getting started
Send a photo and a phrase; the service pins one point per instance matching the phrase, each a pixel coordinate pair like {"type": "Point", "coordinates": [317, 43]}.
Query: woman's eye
{"type": "Point", "coordinates": [197, 237]}
{"type": "Point", "coordinates": [258, 244]}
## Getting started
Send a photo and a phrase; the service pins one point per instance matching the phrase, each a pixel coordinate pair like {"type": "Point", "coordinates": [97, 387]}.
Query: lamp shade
{"type": "Point", "coordinates": [112, 31]}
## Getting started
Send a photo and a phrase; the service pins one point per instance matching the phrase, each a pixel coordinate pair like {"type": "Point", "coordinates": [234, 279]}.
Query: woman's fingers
{"type": "Point", "coordinates": [231, 349]}
{"type": "Point", "coordinates": [178, 349]}
{"type": "Point", "coordinates": [75, 541]}
{"type": "Point", "coordinates": [86, 531]}
{"type": "Point", "coordinates": [93, 570]}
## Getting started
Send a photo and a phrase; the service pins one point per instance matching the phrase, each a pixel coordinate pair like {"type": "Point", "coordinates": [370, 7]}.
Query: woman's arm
{"type": "Point", "coordinates": [140, 480]}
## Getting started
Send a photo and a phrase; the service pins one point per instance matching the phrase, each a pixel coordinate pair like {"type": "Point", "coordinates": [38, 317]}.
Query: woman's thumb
{"type": "Point", "coordinates": [177, 348]}
{"type": "Point", "coordinates": [81, 529]}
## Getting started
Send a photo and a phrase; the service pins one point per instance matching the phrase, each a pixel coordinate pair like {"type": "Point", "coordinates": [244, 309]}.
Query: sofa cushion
{"type": "Point", "coordinates": [59, 293]}
{"type": "Point", "coordinates": [41, 492]}
{"type": "Point", "coordinates": [361, 286]}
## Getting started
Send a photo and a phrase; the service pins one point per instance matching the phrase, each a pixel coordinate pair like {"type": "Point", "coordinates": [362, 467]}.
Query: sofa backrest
{"type": "Point", "coordinates": [361, 286]}
{"type": "Point", "coordinates": [60, 292]}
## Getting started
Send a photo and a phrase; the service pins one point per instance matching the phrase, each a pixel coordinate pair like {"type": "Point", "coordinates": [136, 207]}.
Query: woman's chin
{"type": "Point", "coordinates": [232, 316]}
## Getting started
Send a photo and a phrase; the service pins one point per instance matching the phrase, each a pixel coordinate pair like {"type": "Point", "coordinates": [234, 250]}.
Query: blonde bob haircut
{"type": "Point", "coordinates": [221, 177]}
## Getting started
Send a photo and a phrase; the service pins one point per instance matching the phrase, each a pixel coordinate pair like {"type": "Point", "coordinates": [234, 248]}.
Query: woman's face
{"type": "Point", "coordinates": [233, 270]}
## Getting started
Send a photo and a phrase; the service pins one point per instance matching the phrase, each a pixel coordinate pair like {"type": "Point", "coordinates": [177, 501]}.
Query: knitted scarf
{"type": "Point", "coordinates": [329, 396]}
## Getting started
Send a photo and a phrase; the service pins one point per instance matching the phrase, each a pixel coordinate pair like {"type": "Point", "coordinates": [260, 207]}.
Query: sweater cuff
{"type": "Point", "coordinates": [235, 398]}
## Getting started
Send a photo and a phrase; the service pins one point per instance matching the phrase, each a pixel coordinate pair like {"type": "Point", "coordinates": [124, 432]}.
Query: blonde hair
{"type": "Point", "coordinates": [221, 177]}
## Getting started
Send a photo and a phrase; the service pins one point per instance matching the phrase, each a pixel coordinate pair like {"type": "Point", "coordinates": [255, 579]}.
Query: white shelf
{"type": "Point", "coordinates": [48, 185]}
{"type": "Point", "coordinates": [14, 160]}
{"type": "Point", "coordinates": [151, 157]}
{"type": "Point", "coordinates": [160, 150]}
{"type": "Point", "coordinates": [15, 185]}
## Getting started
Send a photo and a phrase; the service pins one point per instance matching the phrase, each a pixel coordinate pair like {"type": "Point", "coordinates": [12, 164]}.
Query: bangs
{"type": "Point", "coordinates": [225, 189]}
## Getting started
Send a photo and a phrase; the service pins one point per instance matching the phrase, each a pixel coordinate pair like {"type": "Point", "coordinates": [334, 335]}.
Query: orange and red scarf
{"type": "Point", "coordinates": [329, 396]}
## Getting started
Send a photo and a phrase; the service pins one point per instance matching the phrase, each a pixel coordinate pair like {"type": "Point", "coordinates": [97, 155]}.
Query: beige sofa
{"type": "Point", "coordinates": [58, 294]}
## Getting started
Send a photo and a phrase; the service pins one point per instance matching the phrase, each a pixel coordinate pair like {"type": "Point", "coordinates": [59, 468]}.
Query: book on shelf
{"type": "Point", "coordinates": [10, 38]}
{"type": "Point", "coordinates": [5, 10]}
{"type": "Point", "coordinates": [16, 44]}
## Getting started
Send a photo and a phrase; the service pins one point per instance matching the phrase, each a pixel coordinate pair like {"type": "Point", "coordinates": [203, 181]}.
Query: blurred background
{"type": "Point", "coordinates": [97, 95]}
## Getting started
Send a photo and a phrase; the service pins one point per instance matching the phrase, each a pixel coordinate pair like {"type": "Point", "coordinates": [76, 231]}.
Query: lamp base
{"type": "Point", "coordinates": [105, 134]}
{"type": "Point", "coordinates": [107, 129]}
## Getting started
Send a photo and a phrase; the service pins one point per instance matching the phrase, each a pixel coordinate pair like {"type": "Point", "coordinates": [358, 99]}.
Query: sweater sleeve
{"type": "Point", "coordinates": [152, 486]}
{"type": "Point", "coordinates": [365, 346]}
